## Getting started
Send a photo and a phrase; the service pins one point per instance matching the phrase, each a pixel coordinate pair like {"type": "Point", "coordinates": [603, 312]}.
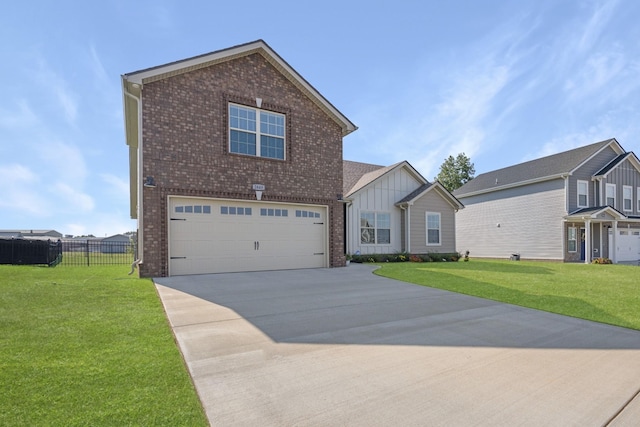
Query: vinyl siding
{"type": "Point", "coordinates": [380, 196]}
{"type": "Point", "coordinates": [530, 222]}
{"type": "Point", "coordinates": [432, 201]}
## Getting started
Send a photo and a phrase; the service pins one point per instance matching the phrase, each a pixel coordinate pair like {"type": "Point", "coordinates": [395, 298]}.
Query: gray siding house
{"type": "Point", "coordinates": [573, 206]}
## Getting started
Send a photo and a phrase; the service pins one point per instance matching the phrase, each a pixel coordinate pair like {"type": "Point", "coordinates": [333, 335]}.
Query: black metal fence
{"type": "Point", "coordinates": [23, 251]}
{"type": "Point", "coordinates": [97, 252]}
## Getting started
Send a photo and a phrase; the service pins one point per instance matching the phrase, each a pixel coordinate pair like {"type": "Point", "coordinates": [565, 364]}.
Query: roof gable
{"type": "Point", "coordinates": [613, 164]}
{"type": "Point", "coordinates": [371, 173]}
{"type": "Point", "coordinates": [426, 188]}
{"type": "Point", "coordinates": [542, 169]}
{"type": "Point", "coordinates": [132, 82]}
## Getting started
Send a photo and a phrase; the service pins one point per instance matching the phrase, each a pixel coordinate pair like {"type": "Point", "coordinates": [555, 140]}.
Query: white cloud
{"type": "Point", "coordinates": [596, 25]}
{"type": "Point", "coordinates": [66, 161]}
{"type": "Point", "coordinates": [71, 199]}
{"type": "Point", "coordinates": [116, 186]}
{"type": "Point", "coordinates": [58, 87]}
{"type": "Point", "coordinates": [20, 191]}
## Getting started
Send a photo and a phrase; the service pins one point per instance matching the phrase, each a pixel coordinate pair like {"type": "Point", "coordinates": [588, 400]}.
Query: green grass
{"type": "Point", "coordinates": [89, 346]}
{"type": "Point", "coordinates": [602, 293]}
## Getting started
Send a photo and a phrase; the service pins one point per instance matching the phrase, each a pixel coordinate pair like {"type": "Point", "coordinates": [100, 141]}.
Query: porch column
{"type": "Point", "coordinates": [613, 251]}
{"type": "Point", "coordinates": [587, 242]}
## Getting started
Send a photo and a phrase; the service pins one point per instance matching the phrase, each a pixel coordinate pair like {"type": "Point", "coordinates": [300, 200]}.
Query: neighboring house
{"type": "Point", "coordinates": [395, 209]}
{"type": "Point", "coordinates": [235, 165]}
{"type": "Point", "coordinates": [572, 206]}
{"type": "Point", "coordinates": [116, 244]}
{"type": "Point", "coordinates": [31, 234]}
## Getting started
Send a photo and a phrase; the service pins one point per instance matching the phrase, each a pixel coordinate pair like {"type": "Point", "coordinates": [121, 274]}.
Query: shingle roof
{"type": "Point", "coordinates": [612, 164]}
{"type": "Point", "coordinates": [356, 175]}
{"type": "Point", "coordinates": [549, 166]}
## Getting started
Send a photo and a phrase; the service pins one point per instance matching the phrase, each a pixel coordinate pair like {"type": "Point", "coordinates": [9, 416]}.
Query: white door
{"type": "Point", "coordinates": [218, 236]}
{"type": "Point", "coordinates": [627, 245]}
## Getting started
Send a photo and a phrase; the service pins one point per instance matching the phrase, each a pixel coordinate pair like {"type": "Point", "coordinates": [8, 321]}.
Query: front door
{"type": "Point", "coordinates": [582, 244]}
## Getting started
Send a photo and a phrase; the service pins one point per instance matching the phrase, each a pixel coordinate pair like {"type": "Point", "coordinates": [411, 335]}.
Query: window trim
{"type": "Point", "coordinates": [575, 239]}
{"type": "Point", "coordinates": [258, 132]}
{"type": "Point", "coordinates": [426, 226]}
{"type": "Point", "coordinates": [638, 199]}
{"type": "Point", "coordinates": [630, 198]}
{"type": "Point", "coordinates": [375, 228]}
{"type": "Point", "coordinates": [606, 196]}
{"type": "Point", "coordinates": [586, 187]}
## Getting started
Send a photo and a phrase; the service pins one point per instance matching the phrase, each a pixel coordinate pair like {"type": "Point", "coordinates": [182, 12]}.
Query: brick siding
{"type": "Point", "coordinates": [185, 149]}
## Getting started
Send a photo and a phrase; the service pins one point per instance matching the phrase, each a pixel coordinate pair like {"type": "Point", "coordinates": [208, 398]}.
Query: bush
{"type": "Point", "coordinates": [404, 257]}
{"type": "Point", "coordinates": [601, 261]}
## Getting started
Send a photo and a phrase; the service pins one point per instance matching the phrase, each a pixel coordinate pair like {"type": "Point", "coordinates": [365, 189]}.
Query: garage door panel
{"type": "Point", "coordinates": [244, 236]}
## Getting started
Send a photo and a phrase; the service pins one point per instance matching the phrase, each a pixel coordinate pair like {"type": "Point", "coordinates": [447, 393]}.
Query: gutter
{"type": "Point", "coordinates": [139, 180]}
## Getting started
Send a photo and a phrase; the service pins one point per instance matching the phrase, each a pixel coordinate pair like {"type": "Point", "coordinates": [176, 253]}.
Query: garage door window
{"type": "Point", "coordinates": [195, 209]}
{"type": "Point", "coordinates": [274, 212]}
{"type": "Point", "coordinates": [307, 214]}
{"type": "Point", "coordinates": [234, 210]}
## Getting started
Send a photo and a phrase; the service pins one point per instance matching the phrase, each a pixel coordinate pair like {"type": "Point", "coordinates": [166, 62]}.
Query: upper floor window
{"type": "Point", "coordinates": [433, 228]}
{"type": "Point", "coordinates": [611, 195]}
{"type": "Point", "coordinates": [375, 228]}
{"type": "Point", "coordinates": [583, 194]}
{"type": "Point", "coordinates": [256, 132]}
{"type": "Point", "coordinates": [627, 198]}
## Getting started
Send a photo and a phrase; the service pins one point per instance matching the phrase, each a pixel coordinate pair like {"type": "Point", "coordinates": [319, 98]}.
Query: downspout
{"type": "Point", "coordinates": [139, 211]}
{"type": "Point", "coordinates": [406, 207]}
{"type": "Point", "coordinates": [347, 244]}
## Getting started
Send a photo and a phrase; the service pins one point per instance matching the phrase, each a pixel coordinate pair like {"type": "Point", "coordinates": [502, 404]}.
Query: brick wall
{"type": "Point", "coordinates": [185, 149]}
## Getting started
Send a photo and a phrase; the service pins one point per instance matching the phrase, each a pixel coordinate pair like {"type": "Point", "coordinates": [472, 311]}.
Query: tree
{"type": "Point", "coordinates": [455, 172]}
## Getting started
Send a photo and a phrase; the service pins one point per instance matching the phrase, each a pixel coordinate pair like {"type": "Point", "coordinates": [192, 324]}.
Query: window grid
{"type": "Point", "coordinates": [611, 195]}
{"type": "Point", "coordinates": [244, 132]}
{"type": "Point", "coordinates": [375, 228]}
{"type": "Point", "coordinates": [583, 194]}
{"type": "Point", "coordinates": [572, 239]}
{"type": "Point", "coordinates": [198, 209]}
{"type": "Point", "coordinates": [433, 228]}
{"type": "Point", "coordinates": [627, 198]}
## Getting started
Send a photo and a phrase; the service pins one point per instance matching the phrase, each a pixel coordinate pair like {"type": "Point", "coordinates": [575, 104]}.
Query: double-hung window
{"type": "Point", "coordinates": [583, 194]}
{"type": "Point", "coordinates": [433, 228]}
{"type": "Point", "coordinates": [256, 132]}
{"type": "Point", "coordinates": [627, 198]}
{"type": "Point", "coordinates": [611, 195]}
{"type": "Point", "coordinates": [572, 239]}
{"type": "Point", "coordinates": [375, 228]}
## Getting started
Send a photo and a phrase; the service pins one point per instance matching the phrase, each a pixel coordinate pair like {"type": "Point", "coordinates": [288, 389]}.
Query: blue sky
{"type": "Point", "coordinates": [502, 81]}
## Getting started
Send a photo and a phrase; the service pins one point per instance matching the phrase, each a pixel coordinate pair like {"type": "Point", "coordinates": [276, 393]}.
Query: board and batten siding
{"type": "Point", "coordinates": [379, 196]}
{"type": "Point", "coordinates": [432, 202]}
{"type": "Point", "coordinates": [525, 220]}
{"type": "Point", "coordinates": [624, 174]}
{"type": "Point", "coordinates": [585, 173]}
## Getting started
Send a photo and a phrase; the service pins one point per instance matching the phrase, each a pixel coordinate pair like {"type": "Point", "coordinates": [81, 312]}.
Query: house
{"type": "Point", "coordinates": [573, 206]}
{"type": "Point", "coordinates": [116, 244]}
{"type": "Point", "coordinates": [235, 165]}
{"type": "Point", "coordinates": [395, 209]}
{"type": "Point", "coordinates": [31, 234]}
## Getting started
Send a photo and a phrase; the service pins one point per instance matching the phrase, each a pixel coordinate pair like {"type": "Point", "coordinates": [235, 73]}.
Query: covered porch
{"type": "Point", "coordinates": [602, 232]}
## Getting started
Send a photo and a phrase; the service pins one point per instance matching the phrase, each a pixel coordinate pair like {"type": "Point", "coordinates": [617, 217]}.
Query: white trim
{"type": "Point", "coordinates": [630, 189]}
{"type": "Point", "coordinates": [638, 199]}
{"type": "Point", "coordinates": [606, 196]}
{"type": "Point", "coordinates": [426, 227]}
{"type": "Point", "coordinates": [586, 188]}
{"type": "Point", "coordinates": [258, 133]}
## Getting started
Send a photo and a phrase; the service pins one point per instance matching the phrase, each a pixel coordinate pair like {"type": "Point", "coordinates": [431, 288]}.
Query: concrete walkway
{"type": "Point", "coordinates": [343, 347]}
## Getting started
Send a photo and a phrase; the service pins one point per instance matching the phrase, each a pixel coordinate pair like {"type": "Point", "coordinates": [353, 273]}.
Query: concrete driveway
{"type": "Point", "coordinates": [344, 347]}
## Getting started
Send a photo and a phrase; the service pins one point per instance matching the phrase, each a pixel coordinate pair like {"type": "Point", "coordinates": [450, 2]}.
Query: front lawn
{"type": "Point", "coordinates": [603, 293]}
{"type": "Point", "coordinates": [88, 346]}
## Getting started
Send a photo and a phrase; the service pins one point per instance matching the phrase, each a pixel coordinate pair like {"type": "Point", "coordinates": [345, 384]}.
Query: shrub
{"type": "Point", "coordinates": [601, 261]}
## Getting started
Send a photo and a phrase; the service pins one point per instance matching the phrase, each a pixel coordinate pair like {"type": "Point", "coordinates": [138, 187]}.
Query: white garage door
{"type": "Point", "coordinates": [627, 244]}
{"type": "Point", "coordinates": [219, 236]}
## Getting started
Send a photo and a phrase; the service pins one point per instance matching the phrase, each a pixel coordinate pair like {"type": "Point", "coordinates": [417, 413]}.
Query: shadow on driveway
{"type": "Point", "coordinates": [353, 306]}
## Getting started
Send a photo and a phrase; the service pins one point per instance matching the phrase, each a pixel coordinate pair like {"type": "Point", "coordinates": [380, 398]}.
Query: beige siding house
{"type": "Point", "coordinates": [395, 209]}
